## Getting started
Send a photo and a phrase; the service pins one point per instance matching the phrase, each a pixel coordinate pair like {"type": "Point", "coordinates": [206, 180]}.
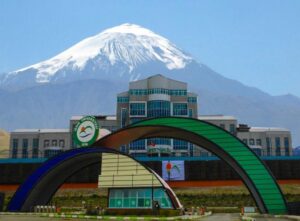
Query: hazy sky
{"type": "Point", "coordinates": [255, 42]}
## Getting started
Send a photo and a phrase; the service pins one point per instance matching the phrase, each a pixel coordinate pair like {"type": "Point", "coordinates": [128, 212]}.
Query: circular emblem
{"type": "Point", "coordinates": [86, 131]}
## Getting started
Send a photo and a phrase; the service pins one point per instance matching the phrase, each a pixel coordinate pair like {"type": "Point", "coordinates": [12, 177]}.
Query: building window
{"type": "Point", "coordinates": [191, 149]}
{"type": "Point", "coordinates": [179, 109]}
{"type": "Point", "coordinates": [192, 99]}
{"type": "Point", "coordinates": [190, 112]}
{"type": "Point", "coordinates": [180, 144]}
{"type": "Point", "coordinates": [158, 141]}
{"type": "Point", "coordinates": [35, 148]}
{"type": "Point", "coordinates": [143, 92]}
{"type": "Point", "coordinates": [25, 148]}
{"type": "Point", "coordinates": [138, 198]}
{"type": "Point", "coordinates": [35, 143]}
{"type": "Point", "coordinates": [222, 126]}
{"type": "Point", "coordinates": [257, 151]}
{"type": "Point", "coordinates": [287, 146]}
{"type": "Point", "coordinates": [232, 128]}
{"type": "Point", "coordinates": [25, 143]}
{"type": "Point", "coordinates": [51, 153]}
{"type": "Point", "coordinates": [15, 152]}
{"type": "Point", "coordinates": [258, 142]}
{"type": "Point", "coordinates": [122, 99]}
{"type": "Point", "coordinates": [46, 143]}
{"type": "Point", "coordinates": [251, 142]}
{"type": "Point", "coordinates": [35, 153]}
{"type": "Point", "coordinates": [158, 108]}
{"type": "Point", "coordinates": [137, 109]}
{"type": "Point", "coordinates": [269, 146]}
{"type": "Point", "coordinates": [245, 141]}
{"type": "Point", "coordinates": [54, 143]}
{"type": "Point", "coordinates": [158, 91]}
{"type": "Point", "coordinates": [123, 117]}
{"type": "Point", "coordinates": [61, 143]}
{"type": "Point", "coordinates": [15, 143]}
{"type": "Point", "coordinates": [137, 145]}
{"type": "Point", "coordinates": [178, 92]}
{"type": "Point", "coordinates": [277, 146]}
{"type": "Point", "coordinates": [138, 92]}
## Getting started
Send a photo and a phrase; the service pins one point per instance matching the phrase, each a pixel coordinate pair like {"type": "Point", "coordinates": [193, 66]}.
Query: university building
{"type": "Point", "coordinates": [156, 96]}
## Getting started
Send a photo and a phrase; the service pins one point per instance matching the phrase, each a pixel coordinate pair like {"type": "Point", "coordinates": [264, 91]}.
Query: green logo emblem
{"type": "Point", "coordinates": [86, 131]}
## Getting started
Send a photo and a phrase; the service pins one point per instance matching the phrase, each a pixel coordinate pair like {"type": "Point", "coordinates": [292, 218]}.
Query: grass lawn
{"type": "Point", "coordinates": [231, 197]}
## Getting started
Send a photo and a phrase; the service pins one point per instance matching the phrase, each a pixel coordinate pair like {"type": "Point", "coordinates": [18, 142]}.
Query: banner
{"type": "Point", "coordinates": [173, 170]}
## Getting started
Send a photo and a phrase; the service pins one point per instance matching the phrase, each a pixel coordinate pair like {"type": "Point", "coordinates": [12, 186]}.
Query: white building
{"type": "Point", "coordinates": [270, 141]}
{"type": "Point", "coordinates": [35, 143]}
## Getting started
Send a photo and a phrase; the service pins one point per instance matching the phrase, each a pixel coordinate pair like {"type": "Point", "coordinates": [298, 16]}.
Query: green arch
{"type": "Point", "coordinates": [256, 176]}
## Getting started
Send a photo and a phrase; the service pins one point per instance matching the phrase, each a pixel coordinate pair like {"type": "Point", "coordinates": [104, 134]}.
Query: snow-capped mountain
{"type": "Point", "coordinates": [125, 47]}
{"type": "Point", "coordinates": [85, 79]}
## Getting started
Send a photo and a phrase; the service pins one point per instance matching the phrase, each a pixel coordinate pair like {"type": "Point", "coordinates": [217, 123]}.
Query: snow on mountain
{"type": "Point", "coordinates": [128, 44]}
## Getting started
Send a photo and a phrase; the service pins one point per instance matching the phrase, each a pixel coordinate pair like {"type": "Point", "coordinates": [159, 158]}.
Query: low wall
{"type": "Point", "coordinates": [195, 170]}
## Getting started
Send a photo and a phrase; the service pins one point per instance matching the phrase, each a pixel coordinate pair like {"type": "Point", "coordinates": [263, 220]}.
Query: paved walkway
{"type": "Point", "coordinates": [22, 218]}
{"type": "Point", "coordinates": [222, 217]}
{"type": "Point", "coordinates": [271, 219]}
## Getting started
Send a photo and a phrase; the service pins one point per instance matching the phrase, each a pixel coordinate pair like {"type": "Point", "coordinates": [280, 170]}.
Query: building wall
{"type": "Point", "coordinates": [271, 141]}
{"type": "Point", "coordinates": [38, 143]}
{"type": "Point", "coordinates": [195, 170]}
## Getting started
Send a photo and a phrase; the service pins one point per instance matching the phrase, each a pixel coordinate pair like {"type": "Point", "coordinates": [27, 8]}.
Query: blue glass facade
{"type": "Point", "coordinates": [158, 108]}
{"type": "Point", "coordinates": [138, 198]}
{"type": "Point", "coordinates": [158, 141]}
{"type": "Point", "coordinates": [180, 144]}
{"type": "Point", "coordinates": [156, 96]}
{"type": "Point", "coordinates": [122, 99]}
{"type": "Point", "coordinates": [137, 145]}
{"type": "Point", "coordinates": [137, 109]}
{"type": "Point", "coordinates": [192, 99]}
{"type": "Point", "coordinates": [143, 92]}
{"type": "Point", "coordinates": [180, 109]}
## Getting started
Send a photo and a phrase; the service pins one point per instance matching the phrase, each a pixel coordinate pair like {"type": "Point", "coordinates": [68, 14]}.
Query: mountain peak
{"type": "Point", "coordinates": [127, 46]}
{"type": "Point", "coordinates": [129, 28]}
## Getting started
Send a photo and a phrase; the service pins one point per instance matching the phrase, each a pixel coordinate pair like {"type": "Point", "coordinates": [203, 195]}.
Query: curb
{"type": "Point", "coordinates": [289, 217]}
{"type": "Point", "coordinates": [82, 216]}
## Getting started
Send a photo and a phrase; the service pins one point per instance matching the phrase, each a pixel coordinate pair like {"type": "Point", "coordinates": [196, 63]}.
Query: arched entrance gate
{"type": "Point", "coordinates": [253, 172]}
{"type": "Point", "coordinates": [255, 175]}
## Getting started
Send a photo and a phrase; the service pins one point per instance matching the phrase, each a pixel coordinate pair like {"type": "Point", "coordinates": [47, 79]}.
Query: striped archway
{"type": "Point", "coordinates": [251, 169]}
